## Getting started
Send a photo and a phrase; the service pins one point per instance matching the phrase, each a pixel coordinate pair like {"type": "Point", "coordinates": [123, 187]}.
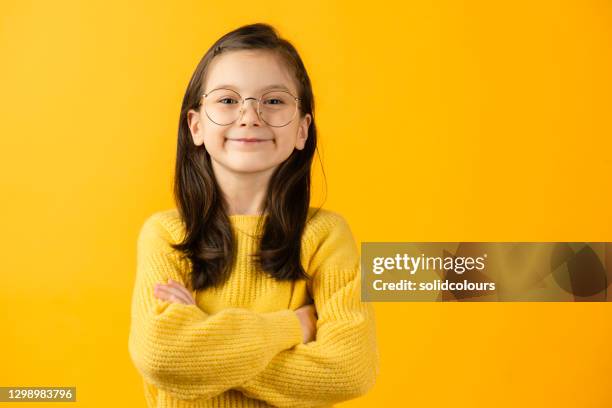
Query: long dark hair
{"type": "Point", "coordinates": [209, 241]}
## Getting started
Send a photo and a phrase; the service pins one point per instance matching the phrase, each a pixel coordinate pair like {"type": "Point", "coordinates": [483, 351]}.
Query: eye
{"type": "Point", "coordinates": [274, 101]}
{"type": "Point", "coordinates": [227, 101]}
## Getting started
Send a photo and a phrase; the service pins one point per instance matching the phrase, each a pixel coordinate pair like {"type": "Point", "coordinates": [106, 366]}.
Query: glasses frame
{"type": "Point", "coordinates": [243, 100]}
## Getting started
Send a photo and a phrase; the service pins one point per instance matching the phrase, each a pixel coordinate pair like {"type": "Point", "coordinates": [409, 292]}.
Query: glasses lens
{"type": "Point", "coordinates": [277, 108]}
{"type": "Point", "coordinates": [222, 106]}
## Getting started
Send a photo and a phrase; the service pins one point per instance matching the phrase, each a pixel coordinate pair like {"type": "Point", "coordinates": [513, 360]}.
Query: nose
{"type": "Point", "coordinates": [249, 115]}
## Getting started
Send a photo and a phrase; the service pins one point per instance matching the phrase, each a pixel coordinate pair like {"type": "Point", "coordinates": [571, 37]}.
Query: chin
{"type": "Point", "coordinates": [244, 168]}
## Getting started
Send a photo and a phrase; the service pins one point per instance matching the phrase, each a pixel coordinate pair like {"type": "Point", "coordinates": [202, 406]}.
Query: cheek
{"type": "Point", "coordinates": [285, 146]}
{"type": "Point", "coordinates": [214, 137]}
{"type": "Point", "coordinates": [286, 138]}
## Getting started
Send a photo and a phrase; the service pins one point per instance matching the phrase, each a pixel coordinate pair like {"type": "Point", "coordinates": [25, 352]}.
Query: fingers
{"type": "Point", "coordinates": [179, 291]}
{"type": "Point", "coordinates": [308, 307]}
{"type": "Point", "coordinates": [170, 293]}
{"type": "Point", "coordinates": [183, 290]}
{"type": "Point", "coordinates": [312, 309]}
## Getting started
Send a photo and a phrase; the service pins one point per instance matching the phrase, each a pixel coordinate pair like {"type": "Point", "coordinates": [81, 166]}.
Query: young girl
{"type": "Point", "coordinates": [245, 296]}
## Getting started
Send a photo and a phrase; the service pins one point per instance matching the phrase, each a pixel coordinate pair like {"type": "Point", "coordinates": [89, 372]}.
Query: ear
{"type": "Point", "coordinates": [195, 126]}
{"type": "Point", "coordinates": [303, 131]}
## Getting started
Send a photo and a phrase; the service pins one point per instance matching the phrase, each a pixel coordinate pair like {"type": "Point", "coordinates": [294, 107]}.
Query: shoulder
{"type": "Point", "coordinates": [328, 238]}
{"type": "Point", "coordinates": [324, 218]}
{"type": "Point", "coordinates": [165, 226]}
{"type": "Point", "coordinates": [323, 223]}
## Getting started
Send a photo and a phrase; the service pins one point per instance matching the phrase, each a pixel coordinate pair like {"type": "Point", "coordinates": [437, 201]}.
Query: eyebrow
{"type": "Point", "coordinates": [265, 88]}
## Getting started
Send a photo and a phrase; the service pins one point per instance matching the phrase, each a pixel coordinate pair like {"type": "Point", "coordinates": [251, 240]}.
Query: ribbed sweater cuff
{"type": "Point", "coordinates": [283, 330]}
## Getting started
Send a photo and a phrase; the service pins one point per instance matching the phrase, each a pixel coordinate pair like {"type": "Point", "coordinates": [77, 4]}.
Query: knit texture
{"type": "Point", "coordinates": [241, 344]}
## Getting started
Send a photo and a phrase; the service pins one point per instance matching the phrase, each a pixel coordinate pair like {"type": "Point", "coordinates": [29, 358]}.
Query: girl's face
{"type": "Point", "coordinates": [250, 73]}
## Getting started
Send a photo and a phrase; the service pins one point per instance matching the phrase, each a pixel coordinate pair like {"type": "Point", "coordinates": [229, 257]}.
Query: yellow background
{"type": "Point", "coordinates": [439, 121]}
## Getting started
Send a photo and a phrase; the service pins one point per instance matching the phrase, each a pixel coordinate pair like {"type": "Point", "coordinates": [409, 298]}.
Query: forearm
{"type": "Point", "coordinates": [341, 364]}
{"type": "Point", "coordinates": [183, 350]}
{"type": "Point", "coordinates": [194, 355]}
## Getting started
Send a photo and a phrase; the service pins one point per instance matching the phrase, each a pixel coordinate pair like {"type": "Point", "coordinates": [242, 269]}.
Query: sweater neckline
{"type": "Point", "coordinates": [247, 221]}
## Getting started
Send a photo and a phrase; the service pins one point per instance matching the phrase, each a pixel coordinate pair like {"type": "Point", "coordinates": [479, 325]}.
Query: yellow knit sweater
{"type": "Point", "coordinates": [241, 344]}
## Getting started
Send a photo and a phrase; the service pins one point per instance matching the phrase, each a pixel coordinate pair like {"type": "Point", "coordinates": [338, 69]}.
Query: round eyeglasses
{"type": "Point", "coordinates": [225, 106]}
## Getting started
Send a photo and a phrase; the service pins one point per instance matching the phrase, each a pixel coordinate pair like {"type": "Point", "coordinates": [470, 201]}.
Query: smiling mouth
{"type": "Point", "coordinates": [246, 140]}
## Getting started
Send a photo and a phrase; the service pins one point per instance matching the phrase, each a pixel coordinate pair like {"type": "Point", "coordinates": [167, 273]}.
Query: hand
{"type": "Point", "coordinates": [173, 292]}
{"type": "Point", "coordinates": [308, 319]}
